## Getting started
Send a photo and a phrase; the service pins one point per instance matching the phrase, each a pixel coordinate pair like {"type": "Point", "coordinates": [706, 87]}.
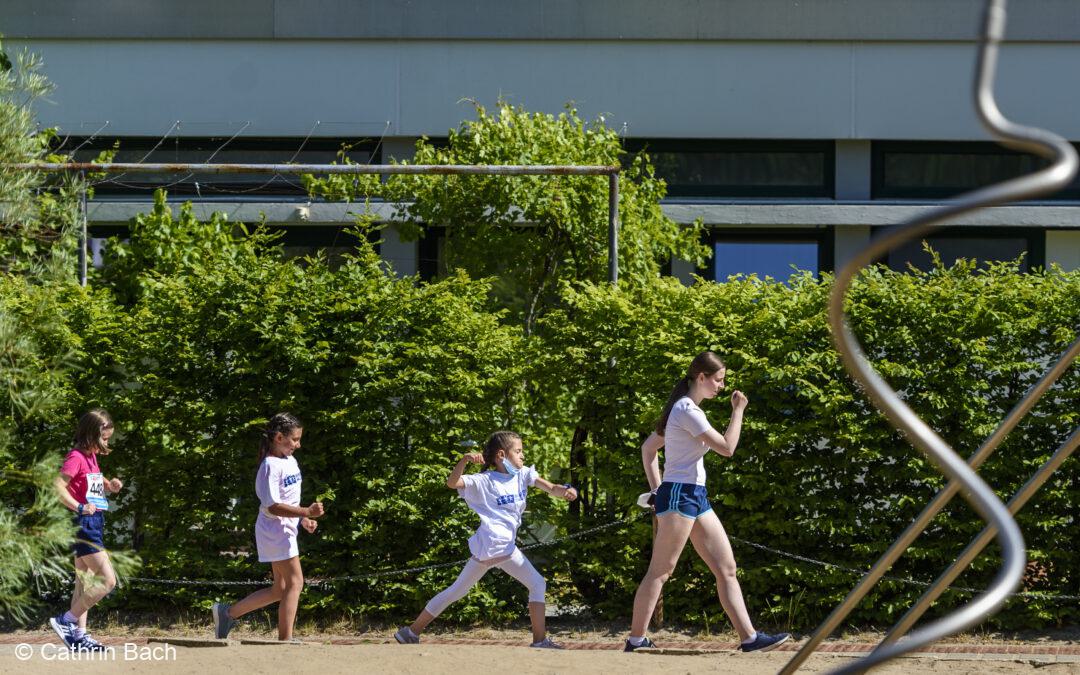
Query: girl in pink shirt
{"type": "Point", "coordinates": [82, 487]}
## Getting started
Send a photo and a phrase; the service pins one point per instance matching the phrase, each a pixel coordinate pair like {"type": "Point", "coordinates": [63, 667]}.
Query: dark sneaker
{"type": "Point", "coordinates": [546, 643]}
{"type": "Point", "coordinates": [648, 644]}
{"type": "Point", "coordinates": [65, 630]}
{"type": "Point", "coordinates": [406, 636]}
{"type": "Point", "coordinates": [765, 642]}
{"type": "Point", "coordinates": [87, 644]}
{"type": "Point", "coordinates": [223, 623]}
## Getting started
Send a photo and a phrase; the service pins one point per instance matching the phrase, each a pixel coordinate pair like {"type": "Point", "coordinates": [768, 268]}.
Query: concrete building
{"type": "Point", "coordinates": [795, 129]}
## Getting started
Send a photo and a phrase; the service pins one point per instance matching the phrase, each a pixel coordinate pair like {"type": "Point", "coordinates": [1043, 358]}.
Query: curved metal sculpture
{"type": "Point", "coordinates": [1056, 176]}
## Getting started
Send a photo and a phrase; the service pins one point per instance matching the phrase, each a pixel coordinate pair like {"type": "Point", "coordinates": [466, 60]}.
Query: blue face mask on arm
{"type": "Point", "coordinates": [510, 468]}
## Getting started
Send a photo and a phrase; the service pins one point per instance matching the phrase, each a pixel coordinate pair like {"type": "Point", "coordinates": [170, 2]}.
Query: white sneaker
{"type": "Point", "coordinates": [406, 636]}
{"type": "Point", "coordinates": [546, 643]}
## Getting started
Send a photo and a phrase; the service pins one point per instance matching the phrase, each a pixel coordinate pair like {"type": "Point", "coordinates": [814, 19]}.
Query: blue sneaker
{"type": "Point", "coordinates": [648, 644]}
{"type": "Point", "coordinates": [223, 623]}
{"type": "Point", "coordinates": [87, 644]}
{"type": "Point", "coordinates": [765, 642]}
{"type": "Point", "coordinates": [65, 629]}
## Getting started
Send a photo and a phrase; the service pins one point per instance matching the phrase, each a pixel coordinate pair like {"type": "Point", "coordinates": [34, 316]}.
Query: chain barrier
{"type": "Point", "coordinates": [328, 582]}
{"type": "Point", "coordinates": [325, 583]}
{"type": "Point", "coordinates": [904, 580]}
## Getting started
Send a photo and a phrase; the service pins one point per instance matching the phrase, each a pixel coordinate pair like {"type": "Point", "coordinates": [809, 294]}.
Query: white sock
{"type": "Point", "coordinates": [636, 641]}
{"type": "Point", "coordinates": [753, 636]}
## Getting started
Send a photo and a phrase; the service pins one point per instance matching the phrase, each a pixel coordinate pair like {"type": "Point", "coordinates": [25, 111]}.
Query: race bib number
{"type": "Point", "coordinates": [95, 491]}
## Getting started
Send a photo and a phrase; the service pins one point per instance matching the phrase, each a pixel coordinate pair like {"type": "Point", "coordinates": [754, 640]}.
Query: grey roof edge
{"type": "Point", "coordinates": [782, 20]}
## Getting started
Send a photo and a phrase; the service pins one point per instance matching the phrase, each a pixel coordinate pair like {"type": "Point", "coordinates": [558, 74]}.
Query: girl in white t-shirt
{"type": "Point", "coordinates": [498, 497]}
{"type": "Point", "coordinates": [277, 483]}
{"type": "Point", "coordinates": [682, 503]}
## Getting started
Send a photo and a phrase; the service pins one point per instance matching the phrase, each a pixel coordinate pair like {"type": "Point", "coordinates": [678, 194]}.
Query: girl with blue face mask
{"type": "Point", "coordinates": [497, 495]}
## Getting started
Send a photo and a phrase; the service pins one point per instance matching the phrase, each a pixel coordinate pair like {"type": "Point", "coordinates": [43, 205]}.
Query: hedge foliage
{"type": "Point", "coordinates": [191, 354]}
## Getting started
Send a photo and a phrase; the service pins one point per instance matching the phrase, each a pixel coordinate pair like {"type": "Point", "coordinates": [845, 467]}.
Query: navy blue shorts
{"type": "Point", "coordinates": [90, 537]}
{"type": "Point", "coordinates": [686, 499]}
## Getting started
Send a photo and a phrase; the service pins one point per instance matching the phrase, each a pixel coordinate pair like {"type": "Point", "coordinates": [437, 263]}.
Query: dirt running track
{"type": "Point", "coordinates": [476, 660]}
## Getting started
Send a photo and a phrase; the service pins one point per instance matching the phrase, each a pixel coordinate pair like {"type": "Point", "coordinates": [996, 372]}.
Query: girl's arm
{"type": "Point", "coordinates": [453, 481]}
{"type": "Point", "coordinates": [565, 491]}
{"type": "Point", "coordinates": [113, 485]}
{"type": "Point", "coordinates": [66, 499]}
{"type": "Point", "coordinates": [290, 511]}
{"type": "Point", "coordinates": [649, 450]}
{"type": "Point", "coordinates": [725, 444]}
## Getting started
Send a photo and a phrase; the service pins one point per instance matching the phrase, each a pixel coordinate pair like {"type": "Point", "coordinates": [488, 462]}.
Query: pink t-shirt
{"type": "Point", "coordinates": [79, 465]}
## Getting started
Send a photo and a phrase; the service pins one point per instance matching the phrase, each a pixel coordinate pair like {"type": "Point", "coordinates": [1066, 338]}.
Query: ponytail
{"type": "Point", "coordinates": [682, 388]}
{"type": "Point", "coordinates": [281, 423]}
{"type": "Point", "coordinates": [706, 362]}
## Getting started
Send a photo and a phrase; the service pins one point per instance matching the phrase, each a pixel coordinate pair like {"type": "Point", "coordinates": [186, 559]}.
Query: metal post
{"type": "Point", "coordinates": [83, 236]}
{"type": "Point", "coordinates": [613, 228]}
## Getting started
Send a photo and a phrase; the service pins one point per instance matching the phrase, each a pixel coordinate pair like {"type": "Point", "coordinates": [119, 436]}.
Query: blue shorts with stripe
{"type": "Point", "coordinates": [90, 537]}
{"type": "Point", "coordinates": [686, 499]}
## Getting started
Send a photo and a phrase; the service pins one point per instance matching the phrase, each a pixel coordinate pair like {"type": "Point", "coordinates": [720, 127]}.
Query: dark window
{"type": "Point", "coordinates": [431, 263]}
{"type": "Point", "coordinates": [775, 254]}
{"type": "Point", "coordinates": [931, 170]}
{"type": "Point", "coordinates": [198, 150]}
{"type": "Point", "coordinates": [739, 168]}
{"type": "Point", "coordinates": [980, 244]}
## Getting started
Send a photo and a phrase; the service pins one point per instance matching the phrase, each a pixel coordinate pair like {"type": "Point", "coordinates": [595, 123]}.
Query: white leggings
{"type": "Point", "coordinates": [517, 566]}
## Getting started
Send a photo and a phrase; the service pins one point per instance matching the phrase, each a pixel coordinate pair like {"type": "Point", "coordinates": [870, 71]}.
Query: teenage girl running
{"type": "Point", "coordinates": [682, 504]}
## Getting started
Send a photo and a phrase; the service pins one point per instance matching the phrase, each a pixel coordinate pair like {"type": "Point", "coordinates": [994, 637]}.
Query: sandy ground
{"type": "Point", "coordinates": [467, 660]}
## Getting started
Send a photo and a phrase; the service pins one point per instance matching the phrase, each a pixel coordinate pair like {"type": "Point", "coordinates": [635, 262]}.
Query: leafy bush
{"type": "Point", "coordinates": [391, 375]}
{"type": "Point", "coordinates": [530, 233]}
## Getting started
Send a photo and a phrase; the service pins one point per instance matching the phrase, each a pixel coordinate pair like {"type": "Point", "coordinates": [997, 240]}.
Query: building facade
{"type": "Point", "coordinates": [796, 130]}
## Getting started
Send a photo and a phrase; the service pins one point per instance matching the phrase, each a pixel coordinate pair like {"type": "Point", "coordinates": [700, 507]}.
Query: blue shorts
{"type": "Point", "coordinates": [90, 537]}
{"type": "Point", "coordinates": [686, 499]}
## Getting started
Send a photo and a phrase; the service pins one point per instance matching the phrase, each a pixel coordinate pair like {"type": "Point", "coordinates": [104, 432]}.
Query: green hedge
{"type": "Point", "coordinates": [192, 354]}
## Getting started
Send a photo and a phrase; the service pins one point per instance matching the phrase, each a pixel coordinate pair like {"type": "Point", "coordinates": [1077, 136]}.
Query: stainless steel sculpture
{"type": "Point", "coordinates": [962, 476]}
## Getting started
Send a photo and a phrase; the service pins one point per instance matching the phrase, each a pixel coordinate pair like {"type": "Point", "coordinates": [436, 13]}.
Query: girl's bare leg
{"type": "Point", "coordinates": [711, 543]}
{"type": "Point", "coordinates": [672, 531]}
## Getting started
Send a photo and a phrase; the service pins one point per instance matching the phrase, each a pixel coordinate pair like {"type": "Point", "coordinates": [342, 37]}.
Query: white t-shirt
{"type": "Point", "coordinates": [499, 499]}
{"type": "Point", "coordinates": [277, 482]}
{"type": "Point", "coordinates": [683, 453]}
